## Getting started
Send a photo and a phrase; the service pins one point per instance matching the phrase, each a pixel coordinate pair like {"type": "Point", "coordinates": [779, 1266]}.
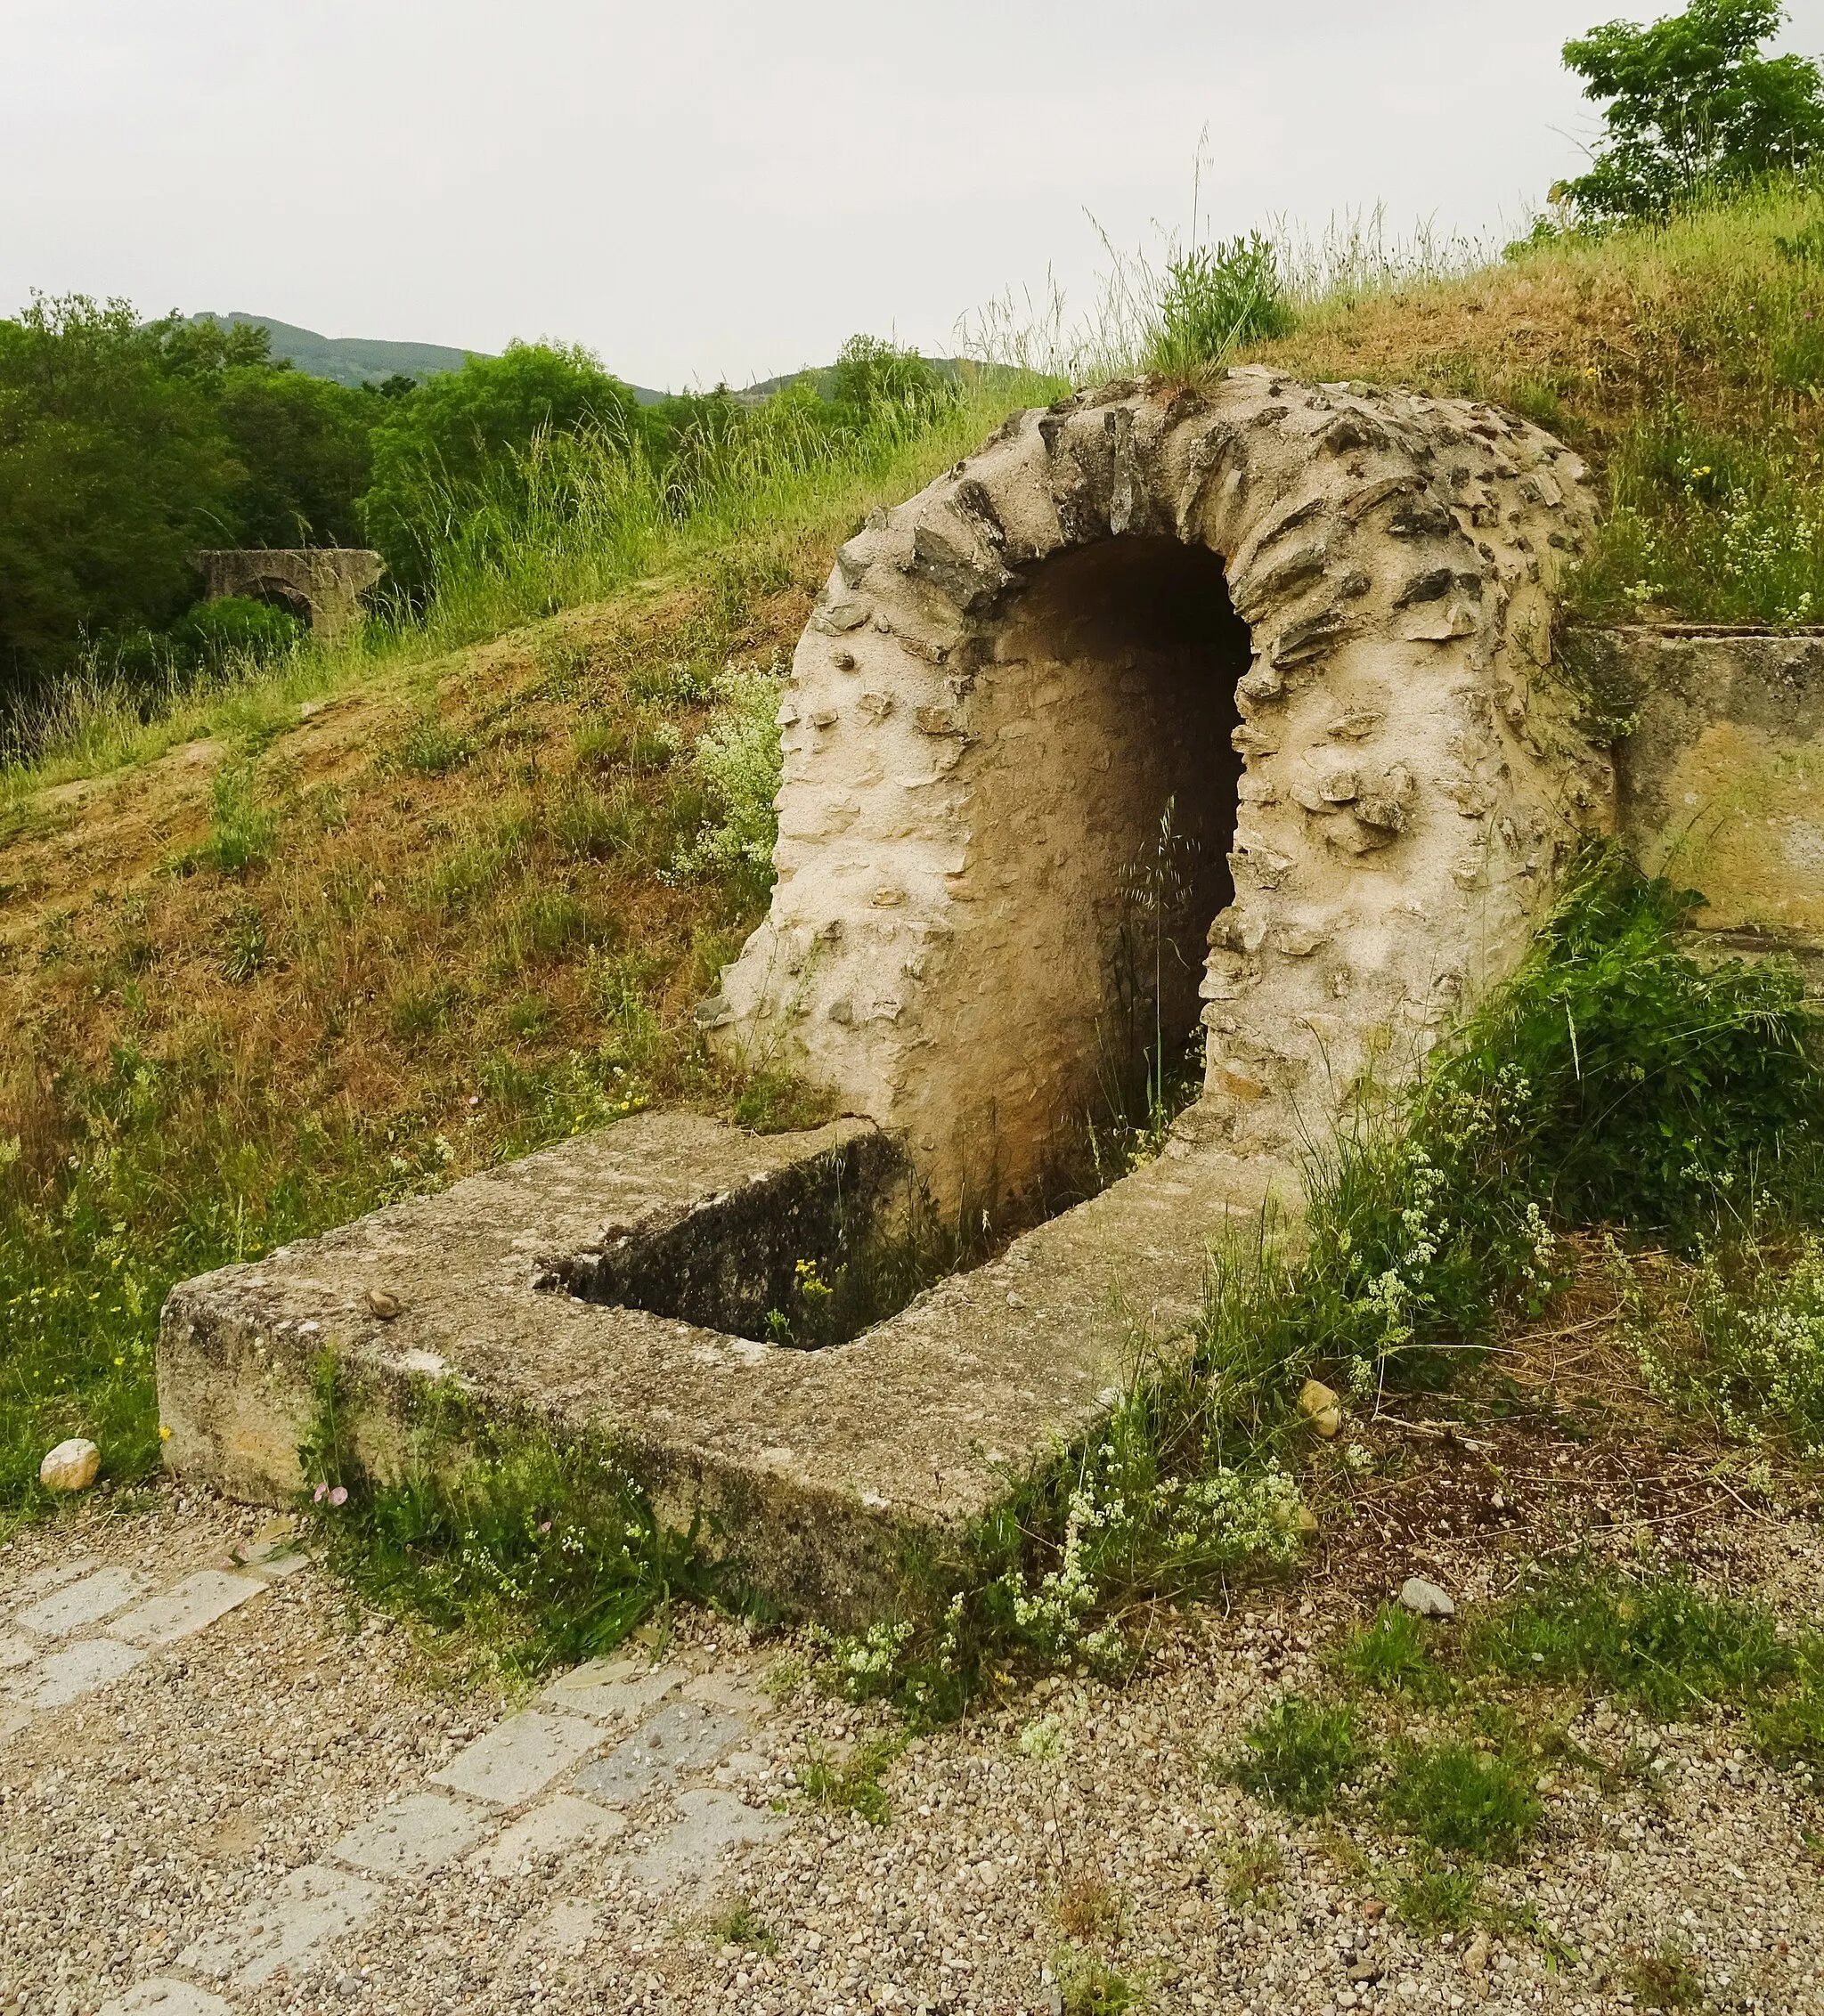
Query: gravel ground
{"type": "Point", "coordinates": [146, 1813]}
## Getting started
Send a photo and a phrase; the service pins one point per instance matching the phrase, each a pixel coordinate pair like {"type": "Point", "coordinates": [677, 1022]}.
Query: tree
{"type": "Point", "coordinates": [460, 436]}
{"type": "Point", "coordinates": [113, 466]}
{"type": "Point", "coordinates": [871, 372]}
{"type": "Point", "coordinates": [303, 445]}
{"type": "Point", "coordinates": [1691, 104]}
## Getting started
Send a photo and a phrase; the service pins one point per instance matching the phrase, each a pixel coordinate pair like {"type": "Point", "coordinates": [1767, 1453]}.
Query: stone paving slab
{"type": "Point", "coordinates": [17, 1650]}
{"type": "Point", "coordinates": [713, 1823]}
{"type": "Point", "coordinates": [682, 1736]}
{"type": "Point", "coordinates": [313, 1906]}
{"type": "Point", "coordinates": [79, 1604]}
{"type": "Point", "coordinates": [412, 1836]}
{"type": "Point", "coordinates": [192, 1605]}
{"type": "Point", "coordinates": [518, 1759]}
{"type": "Point", "coordinates": [552, 1826]}
{"type": "Point", "coordinates": [164, 1997]}
{"type": "Point", "coordinates": [611, 1688]}
{"type": "Point", "coordinates": [67, 1675]}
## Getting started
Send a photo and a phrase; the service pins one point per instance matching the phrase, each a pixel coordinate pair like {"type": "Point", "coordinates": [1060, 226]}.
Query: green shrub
{"type": "Point", "coordinates": [1214, 298]}
{"type": "Point", "coordinates": [234, 630]}
{"type": "Point", "coordinates": [1300, 1753]}
{"type": "Point", "coordinates": [739, 758]}
{"type": "Point", "coordinates": [1463, 1801]}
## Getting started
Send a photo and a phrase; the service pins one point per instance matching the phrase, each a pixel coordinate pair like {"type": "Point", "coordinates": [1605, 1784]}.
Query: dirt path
{"type": "Point", "coordinates": [222, 1787]}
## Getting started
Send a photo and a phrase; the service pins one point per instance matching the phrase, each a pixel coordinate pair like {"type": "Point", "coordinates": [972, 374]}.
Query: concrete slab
{"type": "Point", "coordinates": [77, 1605]}
{"type": "Point", "coordinates": [816, 1467]}
{"type": "Point", "coordinates": [615, 1689]}
{"type": "Point", "coordinates": [518, 1759]}
{"type": "Point", "coordinates": [17, 1650]}
{"type": "Point", "coordinates": [712, 1825]}
{"type": "Point", "coordinates": [67, 1675]}
{"type": "Point", "coordinates": [553, 1826]}
{"type": "Point", "coordinates": [311, 1906]}
{"type": "Point", "coordinates": [192, 1605]}
{"type": "Point", "coordinates": [164, 1996]}
{"type": "Point", "coordinates": [682, 1738]}
{"type": "Point", "coordinates": [412, 1836]}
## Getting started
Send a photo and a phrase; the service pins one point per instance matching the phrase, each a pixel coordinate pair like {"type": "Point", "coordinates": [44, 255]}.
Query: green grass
{"type": "Point", "coordinates": [1462, 1800]}
{"type": "Point", "coordinates": [1391, 1654]}
{"type": "Point", "coordinates": [1300, 1753]}
{"type": "Point", "coordinates": [536, 1552]}
{"type": "Point", "coordinates": [853, 1784]}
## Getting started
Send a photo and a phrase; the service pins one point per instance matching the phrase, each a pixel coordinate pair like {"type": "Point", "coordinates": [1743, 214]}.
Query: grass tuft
{"type": "Point", "coordinates": [1463, 1801]}
{"type": "Point", "coordinates": [1300, 1753]}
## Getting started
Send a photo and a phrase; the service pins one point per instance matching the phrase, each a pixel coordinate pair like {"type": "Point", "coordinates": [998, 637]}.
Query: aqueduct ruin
{"type": "Point", "coordinates": [1311, 626]}
{"type": "Point", "coordinates": [322, 584]}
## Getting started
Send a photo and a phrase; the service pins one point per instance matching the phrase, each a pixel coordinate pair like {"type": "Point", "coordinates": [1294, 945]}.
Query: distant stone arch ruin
{"type": "Point", "coordinates": [1251, 686]}
{"type": "Point", "coordinates": [321, 584]}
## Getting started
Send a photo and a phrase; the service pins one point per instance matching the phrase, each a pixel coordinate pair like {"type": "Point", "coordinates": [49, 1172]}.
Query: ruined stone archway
{"type": "Point", "coordinates": [1009, 675]}
{"type": "Point", "coordinates": [322, 584]}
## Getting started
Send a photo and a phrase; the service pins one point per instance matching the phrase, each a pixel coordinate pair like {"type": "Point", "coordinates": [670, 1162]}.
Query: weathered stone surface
{"type": "Point", "coordinates": [67, 1675]}
{"type": "Point", "coordinates": [411, 1836]}
{"type": "Point", "coordinates": [77, 1604]}
{"type": "Point", "coordinates": [552, 1826]}
{"type": "Point", "coordinates": [518, 1757]}
{"type": "Point", "coordinates": [712, 1825]}
{"type": "Point", "coordinates": [1720, 782]}
{"type": "Point", "coordinates": [610, 1689]}
{"type": "Point", "coordinates": [310, 1908]}
{"type": "Point", "coordinates": [71, 1466]}
{"type": "Point", "coordinates": [817, 1463]}
{"type": "Point", "coordinates": [194, 1604]}
{"type": "Point", "coordinates": [682, 1738]}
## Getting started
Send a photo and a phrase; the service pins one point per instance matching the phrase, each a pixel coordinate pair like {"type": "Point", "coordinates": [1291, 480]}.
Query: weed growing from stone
{"type": "Point", "coordinates": [1433, 1897]}
{"type": "Point", "coordinates": [541, 1553]}
{"type": "Point", "coordinates": [1090, 1987]}
{"type": "Point", "coordinates": [1667, 1979]}
{"type": "Point", "coordinates": [853, 1786]}
{"type": "Point", "coordinates": [742, 1926]}
{"type": "Point", "coordinates": [1253, 1867]}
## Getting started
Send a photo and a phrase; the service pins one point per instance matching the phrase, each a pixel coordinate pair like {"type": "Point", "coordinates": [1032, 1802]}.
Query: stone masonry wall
{"type": "Point", "coordinates": [973, 752]}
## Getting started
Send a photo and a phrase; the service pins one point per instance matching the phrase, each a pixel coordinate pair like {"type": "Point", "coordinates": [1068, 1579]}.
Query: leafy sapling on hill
{"type": "Point", "coordinates": [1691, 105]}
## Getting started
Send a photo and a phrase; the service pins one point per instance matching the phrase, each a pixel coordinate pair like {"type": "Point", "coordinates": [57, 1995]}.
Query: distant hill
{"type": "Point", "coordinates": [361, 360]}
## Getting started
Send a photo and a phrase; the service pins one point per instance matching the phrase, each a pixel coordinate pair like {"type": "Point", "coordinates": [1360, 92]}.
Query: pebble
{"type": "Point", "coordinates": [1426, 1598]}
{"type": "Point", "coordinates": [71, 1466]}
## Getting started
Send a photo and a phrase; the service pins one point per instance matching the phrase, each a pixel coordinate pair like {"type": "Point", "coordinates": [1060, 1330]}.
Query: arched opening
{"type": "Point", "coordinates": [1105, 810]}
{"type": "Point", "coordinates": [281, 595]}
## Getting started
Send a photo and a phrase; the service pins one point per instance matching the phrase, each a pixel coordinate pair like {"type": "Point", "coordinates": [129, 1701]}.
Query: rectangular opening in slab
{"type": "Point", "coordinates": [806, 1254]}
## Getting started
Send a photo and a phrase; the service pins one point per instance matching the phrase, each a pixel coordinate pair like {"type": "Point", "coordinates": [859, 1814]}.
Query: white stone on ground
{"type": "Point", "coordinates": [310, 1908]}
{"type": "Point", "coordinates": [71, 1466]}
{"type": "Point", "coordinates": [1426, 1598]}
{"type": "Point", "coordinates": [77, 1604]}
{"type": "Point", "coordinates": [518, 1757]}
{"type": "Point", "coordinates": [194, 1605]}
{"type": "Point", "coordinates": [412, 1836]}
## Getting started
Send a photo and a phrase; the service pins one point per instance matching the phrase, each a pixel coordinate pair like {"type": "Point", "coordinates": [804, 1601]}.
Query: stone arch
{"type": "Point", "coordinates": [322, 584]}
{"type": "Point", "coordinates": [1008, 675]}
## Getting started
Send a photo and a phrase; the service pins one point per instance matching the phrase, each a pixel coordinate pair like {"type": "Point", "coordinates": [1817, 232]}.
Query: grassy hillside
{"type": "Point", "coordinates": [1685, 361]}
{"type": "Point", "coordinates": [376, 918]}
{"type": "Point", "coordinates": [381, 918]}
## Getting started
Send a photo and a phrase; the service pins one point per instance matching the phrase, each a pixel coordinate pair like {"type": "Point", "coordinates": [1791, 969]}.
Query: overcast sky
{"type": "Point", "coordinates": [701, 190]}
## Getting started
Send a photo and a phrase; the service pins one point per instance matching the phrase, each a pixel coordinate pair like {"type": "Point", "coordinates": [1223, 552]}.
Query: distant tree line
{"type": "Point", "coordinates": [126, 445]}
